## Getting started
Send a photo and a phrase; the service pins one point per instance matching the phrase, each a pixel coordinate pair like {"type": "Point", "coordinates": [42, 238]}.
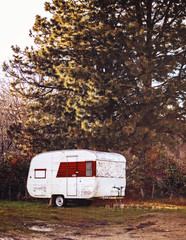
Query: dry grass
{"type": "Point", "coordinates": [16, 216]}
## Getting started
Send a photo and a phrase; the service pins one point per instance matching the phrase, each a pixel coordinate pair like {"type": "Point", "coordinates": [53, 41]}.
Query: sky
{"type": "Point", "coordinates": [17, 17]}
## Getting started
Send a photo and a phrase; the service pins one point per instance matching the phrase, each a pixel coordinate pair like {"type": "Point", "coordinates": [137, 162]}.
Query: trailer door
{"type": "Point", "coordinates": [72, 175]}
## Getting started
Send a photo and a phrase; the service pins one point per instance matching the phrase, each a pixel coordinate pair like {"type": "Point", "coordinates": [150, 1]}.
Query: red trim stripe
{"type": "Point", "coordinates": [72, 169]}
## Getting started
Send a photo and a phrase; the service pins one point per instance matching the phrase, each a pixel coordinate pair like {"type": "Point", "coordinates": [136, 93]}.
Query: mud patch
{"type": "Point", "coordinates": [161, 226]}
{"type": "Point", "coordinates": [99, 236]}
{"type": "Point", "coordinates": [8, 238]}
{"type": "Point", "coordinates": [140, 226]}
{"type": "Point", "coordinates": [145, 224]}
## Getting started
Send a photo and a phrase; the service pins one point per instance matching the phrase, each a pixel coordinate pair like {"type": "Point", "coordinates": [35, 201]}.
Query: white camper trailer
{"type": "Point", "coordinates": [76, 174]}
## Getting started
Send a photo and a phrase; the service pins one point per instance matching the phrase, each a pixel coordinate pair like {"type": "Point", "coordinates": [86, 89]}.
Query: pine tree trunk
{"type": "Point", "coordinates": [153, 190]}
{"type": "Point", "coordinates": [9, 192]}
{"type": "Point", "coordinates": [142, 192]}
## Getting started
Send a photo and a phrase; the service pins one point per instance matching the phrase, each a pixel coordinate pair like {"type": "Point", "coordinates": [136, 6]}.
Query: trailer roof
{"type": "Point", "coordinates": [98, 154]}
{"type": "Point", "coordinates": [109, 156]}
{"type": "Point", "coordinates": [92, 155]}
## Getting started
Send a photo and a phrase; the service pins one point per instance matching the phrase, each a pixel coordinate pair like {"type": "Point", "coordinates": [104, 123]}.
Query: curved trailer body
{"type": "Point", "coordinates": [77, 174]}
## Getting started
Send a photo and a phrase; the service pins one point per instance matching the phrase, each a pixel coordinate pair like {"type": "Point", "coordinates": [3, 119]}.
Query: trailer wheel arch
{"type": "Point", "coordinates": [58, 200]}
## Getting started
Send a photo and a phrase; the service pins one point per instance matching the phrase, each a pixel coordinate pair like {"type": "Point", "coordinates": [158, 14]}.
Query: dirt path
{"type": "Point", "coordinates": [154, 226]}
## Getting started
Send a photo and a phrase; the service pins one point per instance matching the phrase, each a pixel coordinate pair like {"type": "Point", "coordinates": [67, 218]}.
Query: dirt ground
{"type": "Point", "coordinates": [154, 226]}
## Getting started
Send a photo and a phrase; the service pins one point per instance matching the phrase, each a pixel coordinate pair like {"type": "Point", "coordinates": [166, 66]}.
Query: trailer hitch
{"type": "Point", "coordinates": [119, 190]}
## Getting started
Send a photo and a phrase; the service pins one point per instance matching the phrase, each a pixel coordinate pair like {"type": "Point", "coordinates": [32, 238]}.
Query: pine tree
{"type": "Point", "coordinates": [107, 75]}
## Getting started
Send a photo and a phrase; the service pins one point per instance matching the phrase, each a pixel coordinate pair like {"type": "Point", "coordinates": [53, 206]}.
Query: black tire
{"type": "Point", "coordinates": [59, 201]}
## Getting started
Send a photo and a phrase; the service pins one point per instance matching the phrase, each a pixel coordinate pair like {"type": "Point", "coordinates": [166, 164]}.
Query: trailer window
{"type": "Point", "coordinates": [88, 169]}
{"type": "Point", "coordinates": [110, 169]}
{"type": "Point", "coordinates": [40, 173]}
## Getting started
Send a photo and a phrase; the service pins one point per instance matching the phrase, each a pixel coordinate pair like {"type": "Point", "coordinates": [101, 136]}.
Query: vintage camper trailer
{"type": "Point", "coordinates": [76, 174]}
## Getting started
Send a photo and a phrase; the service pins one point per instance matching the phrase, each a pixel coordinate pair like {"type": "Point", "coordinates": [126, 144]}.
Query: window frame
{"type": "Point", "coordinates": [89, 169]}
{"type": "Point", "coordinates": [40, 170]}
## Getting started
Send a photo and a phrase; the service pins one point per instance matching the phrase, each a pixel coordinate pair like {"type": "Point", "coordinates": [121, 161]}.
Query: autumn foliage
{"type": "Point", "coordinates": [13, 176]}
{"type": "Point", "coordinates": [157, 176]}
{"type": "Point", "coordinates": [109, 76]}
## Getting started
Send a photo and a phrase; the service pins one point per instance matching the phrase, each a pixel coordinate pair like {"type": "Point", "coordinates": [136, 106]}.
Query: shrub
{"type": "Point", "coordinates": [155, 176]}
{"type": "Point", "coordinates": [13, 176]}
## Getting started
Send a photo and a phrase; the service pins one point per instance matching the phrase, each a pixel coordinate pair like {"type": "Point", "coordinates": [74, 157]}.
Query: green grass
{"type": "Point", "coordinates": [17, 215]}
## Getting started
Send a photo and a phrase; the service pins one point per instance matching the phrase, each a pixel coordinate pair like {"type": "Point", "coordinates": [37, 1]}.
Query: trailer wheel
{"type": "Point", "coordinates": [59, 201]}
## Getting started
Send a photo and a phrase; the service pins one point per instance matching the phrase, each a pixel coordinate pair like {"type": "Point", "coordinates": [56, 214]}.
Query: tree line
{"type": "Point", "coordinates": [109, 76]}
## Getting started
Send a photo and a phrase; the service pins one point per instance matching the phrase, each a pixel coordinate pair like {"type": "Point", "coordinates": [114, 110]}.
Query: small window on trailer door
{"type": "Point", "coordinates": [88, 169]}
